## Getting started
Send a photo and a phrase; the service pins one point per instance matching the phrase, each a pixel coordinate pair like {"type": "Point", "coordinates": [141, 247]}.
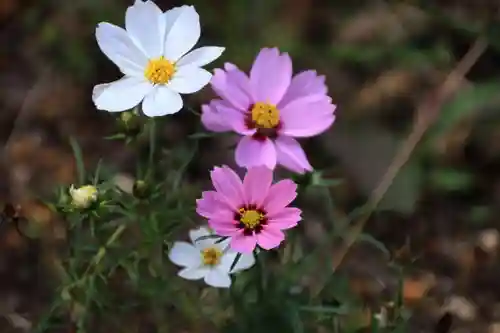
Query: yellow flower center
{"type": "Point", "coordinates": [159, 70]}
{"type": "Point", "coordinates": [211, 256]}
{"type": "Point", "coordinates": [250, 218]}
{"type": "Point", "coordinates": [265, 115]}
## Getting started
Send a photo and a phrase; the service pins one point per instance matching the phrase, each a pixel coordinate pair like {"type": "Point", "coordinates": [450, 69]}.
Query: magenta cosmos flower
{"type": "Point", "coordinates": [252, 212]}
{"type": "Point", "coordinates": [270, 109]}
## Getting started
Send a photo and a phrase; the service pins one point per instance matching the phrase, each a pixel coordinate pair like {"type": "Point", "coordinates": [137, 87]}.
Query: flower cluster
{"type": "Point", "coordinates": [270, 108]}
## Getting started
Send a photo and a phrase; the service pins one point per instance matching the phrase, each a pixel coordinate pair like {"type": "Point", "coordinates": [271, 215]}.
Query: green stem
{"type": "Point", "coordinates": [152, 145]}
{"type": "Point", "coordinates": [96, 260]}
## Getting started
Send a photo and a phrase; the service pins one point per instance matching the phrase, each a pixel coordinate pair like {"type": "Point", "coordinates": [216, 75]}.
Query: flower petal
{"type": "Point", "coordinates": [226, 228]}
{"type": "Point", "coordinates": [233, 86]}
{"type": "Point", "coordinates": [235, 118]}
{"type": "Point", "coordinates": [161, 101]}
{"type": "Point", "coordinates": [228, 184]}
{"type": "Point", "coordinates": [243, 244]}
{"type": "Point", "coordinates": [279, 196]}
{"type": "Point", "coordinates": [270, 75]}
{"type": "Point", "coordinates": [199, 239]}
{"type": "Point", "coordinates": [252, 152]}
{"type": "Point", "coordinates": [120, 95]}
{"type": "Point", "coordinates": [270, 237]}
{"type": "Point", "coordinates": [213, 205]}
{"type": "Point", "coordinates": [212, 119]}
{"type": "Point", "coordinates": [245, 261]}
{"type": "Point", "coordinates": [201, 56]}
{"type": "Point", "coordinates": [115, 43]}
{"type": "Point", "coordinates": [183, 26]}
{"type": "Point", "coordinates": [145, 24]}
{"type": "Point", "coordinates": [291, 155]}
{"type": "Point", "coordinates": [189, 79]}
{"type": "Point", "coordinates": [286, 218]}
{"type": "Point", "coordinates": [303, 118]}
{"type": "Point", "coordinates": [193, 273]}
{"type": "Point", "coordinates": [185, 254]}
{"type": "Point", "coordinates": [217, 278]}
{"type": "Point", "coordinates": [256, 184]}
{"type": "Point", "coordinates": [306, 84]}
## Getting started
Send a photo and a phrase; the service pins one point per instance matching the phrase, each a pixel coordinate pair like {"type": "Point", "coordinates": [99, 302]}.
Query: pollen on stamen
{"type": "Point", "coordinates": [265, 115]}
{"type": "Point", "coordinates": [159, 70]}
{"type": "Point", "coordinates": [211, 256]}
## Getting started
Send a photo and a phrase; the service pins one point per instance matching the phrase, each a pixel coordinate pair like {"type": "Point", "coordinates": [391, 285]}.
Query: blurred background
{"type": "Point", "coordinates": [382, 60]}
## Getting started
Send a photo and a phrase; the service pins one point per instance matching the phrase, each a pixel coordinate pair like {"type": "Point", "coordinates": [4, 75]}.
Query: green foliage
{"type": "Point", "coordinates": [115, 260]}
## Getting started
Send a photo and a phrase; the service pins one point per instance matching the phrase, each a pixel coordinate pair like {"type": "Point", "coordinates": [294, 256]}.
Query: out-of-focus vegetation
{"type": "Point", "coordinates": [427, 258]}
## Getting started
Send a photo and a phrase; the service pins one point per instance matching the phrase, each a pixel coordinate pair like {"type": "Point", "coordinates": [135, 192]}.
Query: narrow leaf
{"type": "Point", "coordinates": [235, 261]}
{"type": "Point", "coordinates": [80, 166]}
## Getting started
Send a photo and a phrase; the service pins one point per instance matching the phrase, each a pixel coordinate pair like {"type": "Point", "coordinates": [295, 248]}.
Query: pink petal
{"type": "Point", "coordinates": [270, 237]}
{"type": "Point", "coordinates": [243, 244]}
{"type": "Point", "coordinates": [306, 84]}
{"type": "Point", "coordinates": [224, 227]}
{"type": "Point", "coordinates": [235, 119]}
{"type": "Point", "coordinates": [233, 86]}
{"type": "Point", "coordinates": [286, 218]}
{"type": "Point", "coordinates": [270, 75]}
{"type": "Point", "coordinates": [256, 184]}
{"type": "Point", "coordinates": [279, 196]}
{"type": "Point", "coordinates": [291, 155]}
{"type": "Point", "coordinates": [212, 119]}
{"type": "Point", "coordinates": [230, 66]}
{"type": "Point", "coordinates": [213, 205]}
{"type": "Point", "coordinates": [252, 152]}
{"type": "Point", "coordinates": [228, 185]}
{"type": "Point", "coordinates": [303, 118]}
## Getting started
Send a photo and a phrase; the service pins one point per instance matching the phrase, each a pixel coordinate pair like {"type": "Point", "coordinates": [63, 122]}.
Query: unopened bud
{"type": "Point", "coordinates": [83, 197]}
{"type": "Point", "coordinates": [141, 189]}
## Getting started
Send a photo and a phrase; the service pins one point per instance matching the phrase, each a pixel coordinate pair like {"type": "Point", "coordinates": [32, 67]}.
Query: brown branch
{"type": "Point", "coordinates": [426, 115]}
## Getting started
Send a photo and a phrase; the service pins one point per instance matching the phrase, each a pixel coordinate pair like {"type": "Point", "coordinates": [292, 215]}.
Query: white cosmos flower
{"type": "Point", "coordinates": [204, 259]}
{"type": "Point", "coordinates": [152, 53]}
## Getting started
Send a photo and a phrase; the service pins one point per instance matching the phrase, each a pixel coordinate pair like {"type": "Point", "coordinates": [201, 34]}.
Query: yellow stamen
{"type": "Point", "coordinates": [250, 218]}
{"type": "Point", "coordinates": [265, 115]}
{"type": "Point", "coordinates": [159, 70]}
{"type": "Point", "coordinates": [211, 256]}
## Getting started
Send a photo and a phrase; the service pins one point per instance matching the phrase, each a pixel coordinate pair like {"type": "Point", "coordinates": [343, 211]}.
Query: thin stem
{"type": "Point", "coordinates": [427, 113]}
{"type": "Point", "coordinates": [96, 260]}
{"type": "Point", "coordinates": [152, 145]}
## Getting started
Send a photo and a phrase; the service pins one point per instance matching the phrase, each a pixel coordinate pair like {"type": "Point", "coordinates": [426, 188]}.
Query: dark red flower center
{"type": "Point", "coordinates": [251, 219]}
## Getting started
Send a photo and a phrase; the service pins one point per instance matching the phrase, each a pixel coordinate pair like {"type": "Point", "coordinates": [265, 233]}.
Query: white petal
{"type": "Point", "coordinates": [183, 32]}
{"type": "Point", "coordinates": [120, 95]}
{"type": "Point", "coordinates": [170, 16]}
{"type": "Point", "coordinates": [217, 278]}
{"type": "Point", "coordinates": [145, 23]}
{"type": "Point", "coordinates": [201, 56]}
{"type": "Point", "coordinates": [195, 234]}
{"type": "Point", "coordinates": [185, 254]}
{"type": "Point", "coordinates": [115, 43]}
{"type": "Point", "coordinates": [189, 79]}
{"type": "Point", "coordinates": [193, 273]}
{"type": "Point", "coordinates": [161, 101]}
{"type": "Point", "coordinates": [246, 261]}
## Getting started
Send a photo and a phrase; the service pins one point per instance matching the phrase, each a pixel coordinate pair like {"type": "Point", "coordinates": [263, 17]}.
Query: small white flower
{"type": "Point", "coordinates": [83, 196]}
{"type": "Point", "coordinates": [204, 259]}
{"type": "Point", "coordinates": [152, 53]}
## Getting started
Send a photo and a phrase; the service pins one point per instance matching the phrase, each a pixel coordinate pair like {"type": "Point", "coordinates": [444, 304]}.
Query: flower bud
{"type": "Point", "coordinates": [141, 189]}
{"type": "Point", "coordinates": [84, 196]}
{"type": "Point", "coordinates": [130, 123]}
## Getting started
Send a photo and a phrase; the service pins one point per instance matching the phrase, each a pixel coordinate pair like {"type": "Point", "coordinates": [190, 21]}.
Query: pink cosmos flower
{"type": "Point", "coordinates": [252, 212]}
{"type": "Point", "coordinates": [270, 109]}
